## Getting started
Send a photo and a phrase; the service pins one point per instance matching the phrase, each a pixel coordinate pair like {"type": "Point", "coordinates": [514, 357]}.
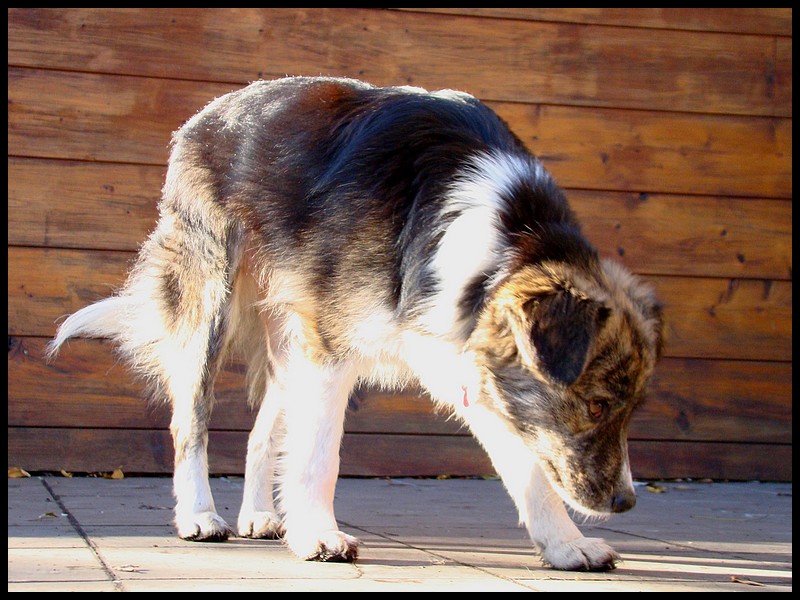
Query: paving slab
{"type": "Point", "coordinates": [94, 534]}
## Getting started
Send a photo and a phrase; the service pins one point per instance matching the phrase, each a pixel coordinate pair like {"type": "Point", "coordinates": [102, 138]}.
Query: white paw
{"type": "Point", "coordinates": [582, 554]}
{"type": "Point", "coordinates": [202, 527]}
{"type": "Point", "coordinates": [327, 546]}
{"type": "Point", "coordinates": [261, 525]}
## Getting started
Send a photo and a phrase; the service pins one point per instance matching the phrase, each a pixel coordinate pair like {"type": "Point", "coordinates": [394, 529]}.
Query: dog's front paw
{"type": "Point", "coordinates": [263, 525]}
{"type": "Point", "coordinates": [582, 554]}
{"type": "Point", "coordinates": [202, 527]}
{"type": "Point", "coordinates": [328, 546]}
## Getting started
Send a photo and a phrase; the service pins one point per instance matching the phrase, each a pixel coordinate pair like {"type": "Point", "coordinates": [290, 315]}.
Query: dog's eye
{"type": "Point", "coordinates": [597, 408]}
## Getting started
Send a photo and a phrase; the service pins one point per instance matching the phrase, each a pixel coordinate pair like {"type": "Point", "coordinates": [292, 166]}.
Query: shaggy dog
{"type": "Point", "coordinates": [336, 234]}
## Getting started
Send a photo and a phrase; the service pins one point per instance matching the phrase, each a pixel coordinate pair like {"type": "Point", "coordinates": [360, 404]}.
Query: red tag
{"type": "Point", "coordinates": [466, 401]}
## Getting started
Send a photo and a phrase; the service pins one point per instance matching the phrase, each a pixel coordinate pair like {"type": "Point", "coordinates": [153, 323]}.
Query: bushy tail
{"type": "Point", "coordinates": [103, 319]}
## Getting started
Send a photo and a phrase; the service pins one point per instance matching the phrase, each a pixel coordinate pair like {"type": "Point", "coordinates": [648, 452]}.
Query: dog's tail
{"type": "Point", "coordinates": [103, 319]}
{"type": "Point", "coordinates": [179, 310]}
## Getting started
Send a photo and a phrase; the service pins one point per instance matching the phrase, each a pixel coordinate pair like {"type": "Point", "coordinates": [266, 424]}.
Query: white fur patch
{"type": "Point", "coordinates": [472, 244]}
{"type": "Point", "coordinates": [442, 368]}
{"type": "Point", "coordinates": [540, 508]}
{"type": "Point", "coordinates": [313, 398]}
{"type": "Point", "coordinates": [97, 320]}
{"type": "Point", "coordinates": [258, 506]}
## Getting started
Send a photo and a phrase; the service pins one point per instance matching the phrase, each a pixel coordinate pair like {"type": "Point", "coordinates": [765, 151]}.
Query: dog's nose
{"type": "Point", "coordinates": [623, 501]}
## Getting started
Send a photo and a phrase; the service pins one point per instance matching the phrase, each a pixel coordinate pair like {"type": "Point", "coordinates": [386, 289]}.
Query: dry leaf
{"type": "Point", "coordinates": [131, 569]}
{"type": "Point", "coordinates": [66, 473]}
{"type": "Point", "coordinates": [47, 514]}
{"type": "Point", "coordinates": [735, 579]}
{"type": "Point", "coordinates": [16, 473]}
{"type": "Point", "coordinates": [655, 488]}
{"type": "Point", "coordinates": [116, 474]}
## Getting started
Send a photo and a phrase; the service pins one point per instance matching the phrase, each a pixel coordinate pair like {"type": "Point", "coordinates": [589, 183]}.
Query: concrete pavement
{"type": "Point", "coordinates": [94, 534]}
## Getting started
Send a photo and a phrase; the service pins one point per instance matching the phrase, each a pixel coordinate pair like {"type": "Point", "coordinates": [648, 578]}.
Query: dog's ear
{"type": "Point", "coordinates": [562, 329]}
{"type": "Point", "coordinates": [654, 313]}
{"type": "Point", "coordinates": [644, 299]}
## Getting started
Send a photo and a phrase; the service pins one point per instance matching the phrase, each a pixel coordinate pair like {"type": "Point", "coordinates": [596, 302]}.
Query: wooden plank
{"type": "Point", "coordinates": [96, 450]}
{"type": "Point", "coordinates": [783, 70]}
{"type": "Point", "coordinates": [150, 451]}
{"type": "Point", "coordinates": [699, 400]}
{"type": "Point", "coordinates": [689, 235]}
{"type": "Point", "coordinates": [706, 317]}
{"type": "Point", "coordinates": [717, 401]}
{"type": "Point", "coordinates": [113, 206]}
{"type": "Point", "coordinates": [46, 285]}
{"type": "Point", "coordinates": [86, 386]}
{"type": "Point", "coordinates": [657, 152]}
{"type": "Point", "coordinates": [763, 21]}
{"type": "Point", "coordinates": [745, 462]}
{"type": "Point", "coordinates": [81, 204]}
{"type": "Point", "coordinates": [54, 114]}
{"type": "Point", "coordinates": [381, 455]}
{"type": "Point", "coordinates": [550, 62]}
{"type": "Point", "coordinates": [99, 117]}
{"type": "Point", "coordinates": [408, 411]}
{"type": "Point", "coordinates": [719, 318]}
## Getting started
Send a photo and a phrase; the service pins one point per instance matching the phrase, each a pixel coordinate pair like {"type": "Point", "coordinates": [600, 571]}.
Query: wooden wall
{"type": "Point", "coordinates": [671, 130]}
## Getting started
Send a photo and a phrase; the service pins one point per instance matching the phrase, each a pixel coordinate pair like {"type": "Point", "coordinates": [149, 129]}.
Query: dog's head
{"type": "Point", "coordinates": [566, 356]}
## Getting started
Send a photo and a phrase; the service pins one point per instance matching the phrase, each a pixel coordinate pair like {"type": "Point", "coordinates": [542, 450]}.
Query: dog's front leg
{"type": "Point", "coordinates": [315, 399]}
{"type": "Point", "coordinates": [258, 517]}
{"type": "Point", "coordinates": [540, 508]}
{"type": "Point", "coordinates": [563, 546]}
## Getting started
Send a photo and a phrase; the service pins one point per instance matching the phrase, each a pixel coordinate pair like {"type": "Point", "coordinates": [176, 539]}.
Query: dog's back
{"type": "Point", "coordinates": [341, 180]}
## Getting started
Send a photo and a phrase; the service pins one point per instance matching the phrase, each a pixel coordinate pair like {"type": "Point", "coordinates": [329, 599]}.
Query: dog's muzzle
{"type": "Point", "coordinates": [623, 501]}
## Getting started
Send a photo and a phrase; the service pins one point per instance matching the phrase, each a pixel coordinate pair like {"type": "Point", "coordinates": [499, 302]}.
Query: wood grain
{"type": "Point", "coordinates": [614, 149]}
{"type": "Point", "coordinates": [717, 401]}
{"type": "Point", "coordinates": [521, 61]}
{"type": "Point", "coordinates": [56, 114]}
{"type": "Point", "coordinates": [657, 234]}
{"type": "Point", "coordinates": [706, 317]}
{"type": "Point", "coordinates": [763, 21]}
{"type": "Point", "coordinates": [690, 399]}
{"type": "Point", "coordinates": [113, 206]}
{"type": "Point", "coordinates": [139, 451]}
{"type": "Point", "coordinates": [89, 205]}
{"type": "Point", "coordinates": [670, 129]}
{"type": "Point", "coordinates": [45, 285]}
{"type": "Point", "coordinates": [86, 117]}
{"type": "Point", "coordinates": [727, 318]}
{"type": "Point", "coordinates": [719, 461]}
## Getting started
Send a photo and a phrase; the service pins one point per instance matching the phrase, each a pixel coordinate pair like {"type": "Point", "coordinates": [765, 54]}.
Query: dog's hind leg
{"type": "Point", "coordinates": [184, 274]}
{"type": "Point", "coordinates": [199, 276]}
{"type": "Point", "coordinates": [196, 517]}
{"type": "Point", "coordinates": [251, 331]}
{"type": "Point", "coordinates": [194, 267]}
{"type": "Point", "coordinates": [170, 322]}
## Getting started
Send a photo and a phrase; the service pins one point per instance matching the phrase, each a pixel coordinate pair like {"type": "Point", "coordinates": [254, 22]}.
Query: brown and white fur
{"type": "Point", "coordinates": [338, 234]}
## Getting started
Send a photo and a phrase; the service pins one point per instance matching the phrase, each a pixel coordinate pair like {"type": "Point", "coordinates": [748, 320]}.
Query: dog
{"type": "Point", "coordinates": [337, 234]}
